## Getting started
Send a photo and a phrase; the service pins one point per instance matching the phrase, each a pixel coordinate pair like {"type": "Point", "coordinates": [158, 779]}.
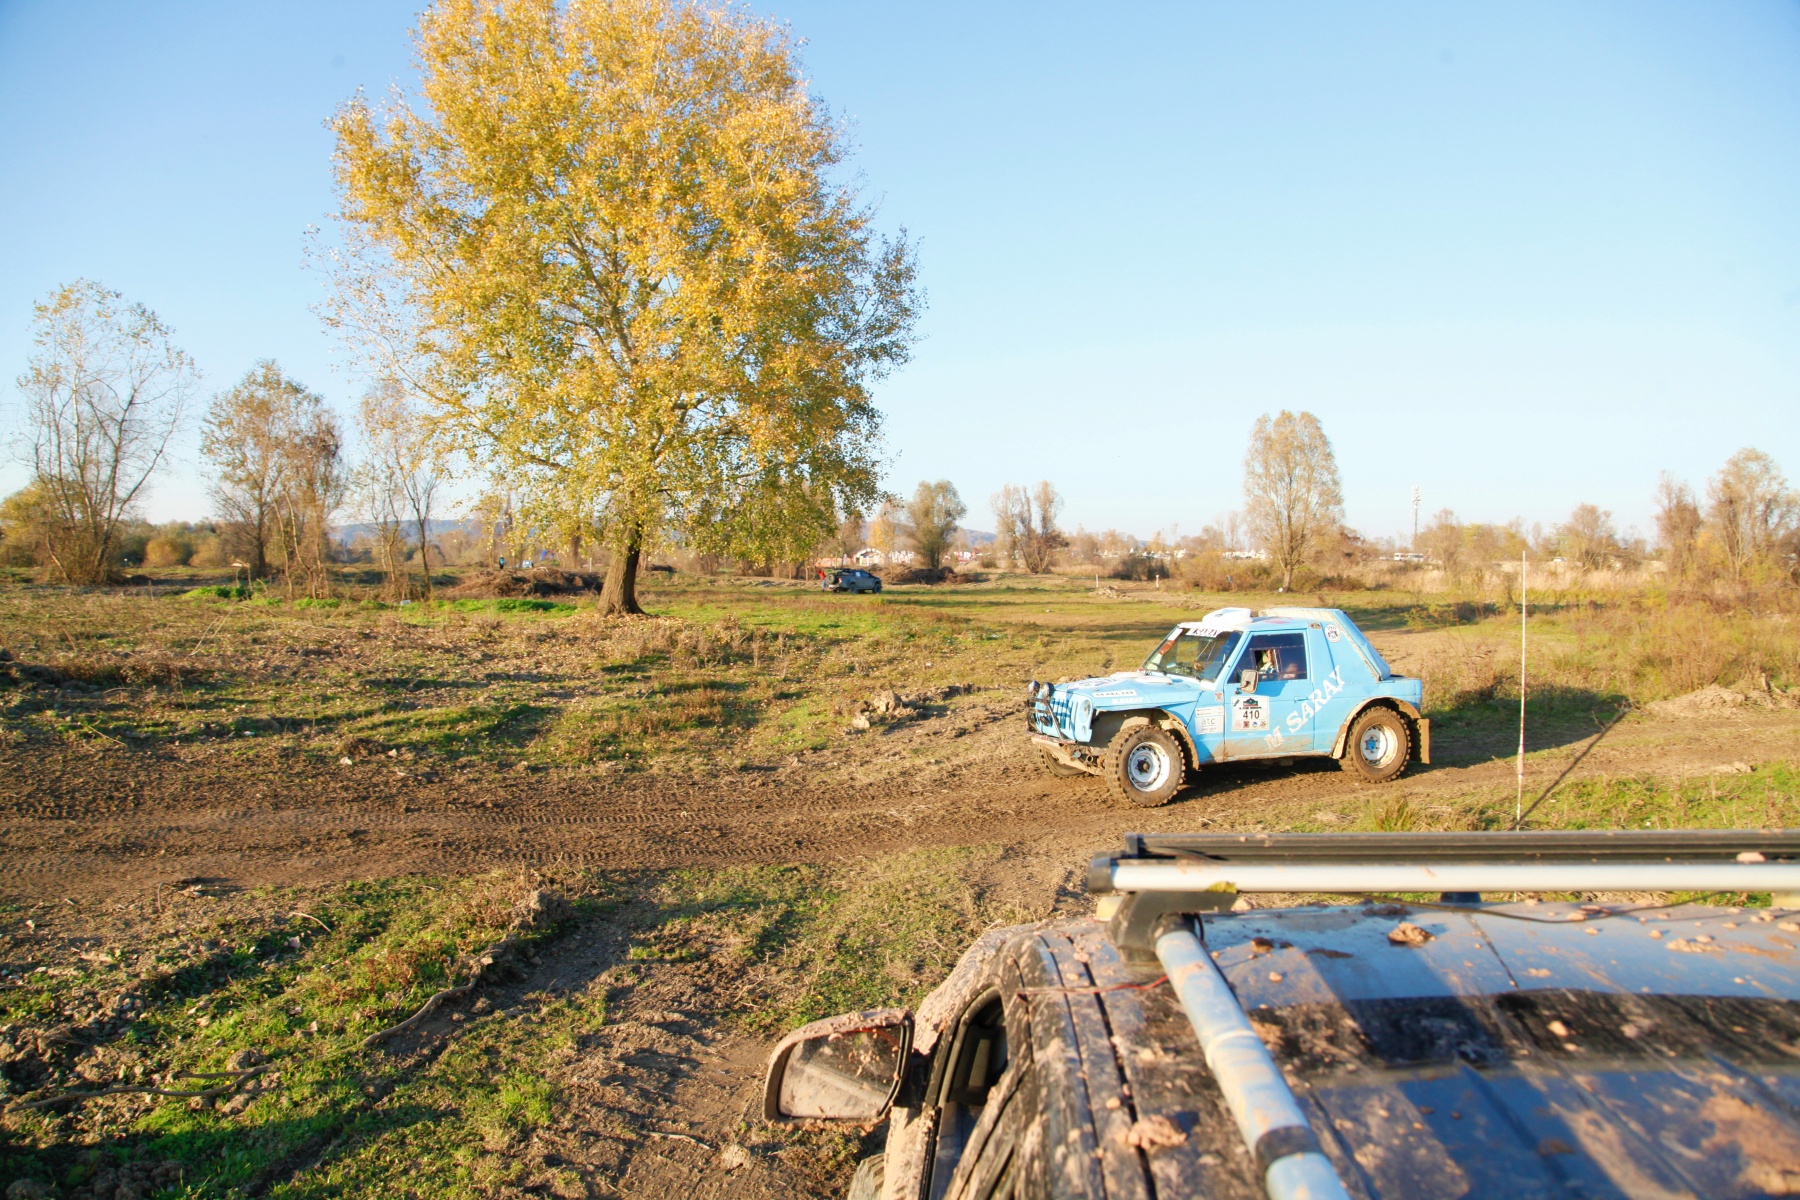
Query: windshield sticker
{"type": "Point", "coordinates": [1333, 633]}
{"type": "Point", "coordinates": [1248, 714]}
{"type": "Point", "coordinates": [1209, 720]}
{"type": "Point", "coordinates": [1114, 695]}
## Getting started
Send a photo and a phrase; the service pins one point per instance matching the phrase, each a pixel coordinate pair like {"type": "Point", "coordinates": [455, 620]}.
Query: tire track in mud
{"type": "Point", "coordinates": [76, 821]}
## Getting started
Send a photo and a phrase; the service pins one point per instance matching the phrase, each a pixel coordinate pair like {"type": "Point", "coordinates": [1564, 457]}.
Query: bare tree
{"type": "Point", "coordinates": [1443, 541]}
{"type": "Point", "coordinates": [404, 453]}
{"type": "Point", "coordinates": [313, 489]}
{"type": "Point", "coordinates": [1750, 509]}
{"type": "Point", "coordinates": [885, 529]}
{"type": "Point", "coordinates": [1025, 522]}
{"type": "Point", "coordinates": [851, 536]}
{"type": "Point", "coordinates": [249, 438]}
{"type": "Point", "coordinates": [105, 391]}
{"type": "Point", "coordinates": [376, 497]}
{"type": "Point", "coordinates": [1588, 536]}
{"type": "Point", "coordinates": [931, 517]}
{"type": "Point", "coordinates": [1293, 500]}
{"type": "Point", "coordinates": [1677, 524]}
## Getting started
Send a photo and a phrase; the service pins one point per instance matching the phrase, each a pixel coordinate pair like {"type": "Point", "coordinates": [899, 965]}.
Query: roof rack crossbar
{"type": "Point", "coordinates": [1336, 877]}
{"type": "Point", "coordinates": [1535, 845]}
{"type": "Point", "coordinates": [1274, 1128]}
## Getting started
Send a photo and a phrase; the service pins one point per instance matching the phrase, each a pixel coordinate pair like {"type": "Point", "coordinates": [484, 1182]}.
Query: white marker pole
{"type": "Point", "coordinates": [1524, 605]}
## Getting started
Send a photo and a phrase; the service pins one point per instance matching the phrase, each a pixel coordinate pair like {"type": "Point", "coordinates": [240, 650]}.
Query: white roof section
{"type": "Point", "coordinates": [1240, 620]}
{"type": "Point", "coordinates": [1220, 620]}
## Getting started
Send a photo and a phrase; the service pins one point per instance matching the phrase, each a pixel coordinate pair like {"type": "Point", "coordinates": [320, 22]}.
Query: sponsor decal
{"type": "Point", "coordinates": [1249, 714]}
{"type": "Point", "coordinates": [1209, 720]}
{"type": "Point", "coordinates": [1333, 633]}
{"type": "Point", "coordinates": [1115, 694]}
{"type": "Point", "coordinates": [1273, 740]}
{"type": "Point", "coordinates": [1316, 701]}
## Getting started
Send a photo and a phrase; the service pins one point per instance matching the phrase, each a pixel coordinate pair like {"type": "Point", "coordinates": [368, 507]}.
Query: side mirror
{"type": "Point", "coordinates": [845, 1068]}
{"type": "Point", "coordinates": [1247, 679]}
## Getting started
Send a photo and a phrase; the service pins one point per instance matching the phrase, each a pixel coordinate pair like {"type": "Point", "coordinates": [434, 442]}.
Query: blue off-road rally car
{"type": "Point", "coordinates": [1280, 684]}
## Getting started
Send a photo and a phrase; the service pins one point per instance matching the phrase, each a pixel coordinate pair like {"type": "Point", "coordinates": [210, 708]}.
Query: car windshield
{"type": "Point", "coordinates": [1184, 652]}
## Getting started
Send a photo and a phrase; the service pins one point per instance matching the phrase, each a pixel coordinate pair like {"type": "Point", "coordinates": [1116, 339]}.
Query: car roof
{"type": "Point", "coordinates": [1241, 620]}
{"type": "Point", "coordinates": [1529, 1050]}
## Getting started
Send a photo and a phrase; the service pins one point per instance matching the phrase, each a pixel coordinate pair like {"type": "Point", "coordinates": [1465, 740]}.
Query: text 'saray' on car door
{"type": "Point", "coordinates": [1274, 716]}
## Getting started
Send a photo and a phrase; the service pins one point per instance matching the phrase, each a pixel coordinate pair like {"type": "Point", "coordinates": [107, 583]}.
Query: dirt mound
{"type": "Point", "coordinates": [509, 585]}
{"type": "Point", "coordinates": [891, 708]}
{"type": "Point", "coordinates": [1714, 700]}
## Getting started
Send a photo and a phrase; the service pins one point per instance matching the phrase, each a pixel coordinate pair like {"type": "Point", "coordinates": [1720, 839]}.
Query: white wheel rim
{"type": "Point", "coordinates": [1378, 745]}
{"type": "Point", "coordinates": [1147, 767]}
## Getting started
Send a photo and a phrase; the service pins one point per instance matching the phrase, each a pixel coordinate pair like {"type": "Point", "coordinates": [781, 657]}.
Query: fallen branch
{"type": "Point", "coordinates": [478, 967]}
{"type": "Point", "coordinates": [676, 1137]}
{"type": "Point", "coordinates": [237, 1078]}
{"type": "Point", "coordinates": [425, 1010]}
{"type": "Point", "coordinates": [313, 919]}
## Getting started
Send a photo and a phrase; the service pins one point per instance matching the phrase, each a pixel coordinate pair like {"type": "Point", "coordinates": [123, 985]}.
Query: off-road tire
{"type": "Point", "coordinates": [1057, 766]}
{"type": "Point", "coordinates": [1379, 747]}
{"type": "Point", "coordinates": [1144, 765]}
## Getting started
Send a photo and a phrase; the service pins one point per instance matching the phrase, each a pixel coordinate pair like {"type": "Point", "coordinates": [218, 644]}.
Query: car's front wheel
{"type": "Point", "coordinates": [1379, 746]}
{"type": "Point", "coordinates": [1144, 765]}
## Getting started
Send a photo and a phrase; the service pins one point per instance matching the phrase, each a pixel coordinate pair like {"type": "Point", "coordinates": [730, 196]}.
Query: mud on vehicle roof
{"type": "Point", "coordinates": [1176, 1047]}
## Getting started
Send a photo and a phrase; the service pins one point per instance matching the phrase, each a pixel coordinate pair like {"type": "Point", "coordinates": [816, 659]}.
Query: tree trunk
{"type": "Point", "coordinates": [620, 594]}
{"type": "Point", "coordinates": [425, 555]}
{"type": "Point", "coordinates": [259, 553]}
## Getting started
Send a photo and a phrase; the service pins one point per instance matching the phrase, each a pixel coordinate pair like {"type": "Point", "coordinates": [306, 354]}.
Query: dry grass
{"type": "Point", "coordinates": [727, 670]}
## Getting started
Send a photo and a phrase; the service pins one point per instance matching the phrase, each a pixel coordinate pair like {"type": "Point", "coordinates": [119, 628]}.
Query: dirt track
{"type": "Point", "coordinates": [110, 822]}
{"type": "Point", "coordinates": [661, 1092]}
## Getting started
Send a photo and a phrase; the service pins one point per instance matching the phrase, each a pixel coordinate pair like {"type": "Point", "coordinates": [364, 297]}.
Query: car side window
{"type": "Point", "coordinates": [976, 1061]}
{"type": "Point", "coordinates": [990, 1169]}
{"type": "Point", "coordinates": [1276, 657]}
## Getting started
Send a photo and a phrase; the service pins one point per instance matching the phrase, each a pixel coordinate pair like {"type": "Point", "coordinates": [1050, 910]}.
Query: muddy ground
{"type": "Point", "coordinates": [94, 822]}
{"type": "Point", "coordinates": [100, 838]}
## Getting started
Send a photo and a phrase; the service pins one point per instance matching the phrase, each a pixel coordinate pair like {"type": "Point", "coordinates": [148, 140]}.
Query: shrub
{"type": "Point", "coordinates": [209, 551]}
{"type": "Point", "coordinates": [168, 550]}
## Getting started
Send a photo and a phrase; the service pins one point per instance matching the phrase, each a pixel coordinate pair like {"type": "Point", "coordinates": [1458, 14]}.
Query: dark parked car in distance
{"type": "Point", "coordinates": [849, 579]}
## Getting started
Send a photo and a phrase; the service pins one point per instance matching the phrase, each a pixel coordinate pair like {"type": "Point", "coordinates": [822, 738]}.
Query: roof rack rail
{"type": "Point", "coordinates": [1162, 873]}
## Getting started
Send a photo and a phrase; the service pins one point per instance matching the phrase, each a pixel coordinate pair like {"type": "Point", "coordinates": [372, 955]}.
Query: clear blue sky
{"type": "Point", "coordinates": [1521, 255]}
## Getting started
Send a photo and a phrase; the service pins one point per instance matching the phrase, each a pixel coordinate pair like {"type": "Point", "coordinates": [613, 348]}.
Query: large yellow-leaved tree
{"type": "Point", "coordinates": [612, 245]}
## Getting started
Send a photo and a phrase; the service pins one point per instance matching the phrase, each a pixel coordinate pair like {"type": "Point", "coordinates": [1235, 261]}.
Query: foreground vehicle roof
{"type": "Point", "coordinates": [1179, 1045]}
{"type": "Point", "coordinates": [1518, 1050]}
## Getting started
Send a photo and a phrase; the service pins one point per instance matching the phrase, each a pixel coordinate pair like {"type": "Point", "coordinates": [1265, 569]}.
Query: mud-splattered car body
{"type": "Point", "coordinates": [1280, 684]}
{"type": "Point", "coordinates": [1507, 1050]}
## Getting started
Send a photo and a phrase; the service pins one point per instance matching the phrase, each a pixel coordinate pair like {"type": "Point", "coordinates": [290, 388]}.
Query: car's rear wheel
{"type": "Point", "coordinates": [1144, 765]}
{"type": "Point", "coordinates": [1379, 746]}
{"type": "Point", "coordinates": [1057, 766]}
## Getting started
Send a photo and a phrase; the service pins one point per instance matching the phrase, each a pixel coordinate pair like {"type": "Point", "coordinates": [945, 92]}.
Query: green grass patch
{"type": "Point", "coordinates": [880, 932]}
{"type": "Point", "coordinates": [784, 944]}
{"type": "Point", "coordinates": [460, 729]}
{"type": "Point", "coordinates": [303, 991]}
{"type": "Point", "coordinates": [510, 605]}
